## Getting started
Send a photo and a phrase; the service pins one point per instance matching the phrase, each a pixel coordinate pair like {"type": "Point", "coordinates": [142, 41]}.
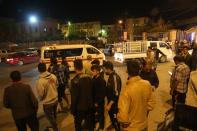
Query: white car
{"type": "Point", "coordinates": [109, 49]}
{"type": "Point", "coordinates": [32, 50]}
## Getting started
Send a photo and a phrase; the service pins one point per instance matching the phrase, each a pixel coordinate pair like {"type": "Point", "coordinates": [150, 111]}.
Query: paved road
{"type": "Point", "coordinates": [65, 120]}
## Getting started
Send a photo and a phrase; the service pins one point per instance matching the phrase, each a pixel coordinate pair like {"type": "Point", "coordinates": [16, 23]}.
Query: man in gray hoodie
{"type": "Point", "coordinates": [47, 91]}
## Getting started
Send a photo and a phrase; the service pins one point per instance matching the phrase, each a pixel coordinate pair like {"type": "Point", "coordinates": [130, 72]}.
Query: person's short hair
{"type": "Point", "coordinates": [186, 47]}
{"type": "Point", "coordinates": [95, 62]}
{"type": "Point", "coordinates": [53, 60]}
{"type": "Point", "coordinates": [15, 76]}
{"type": "Point", "coordinates": [133, 67]}
{"type": "Point", "coordinates": [178, 58]}
{"type": "Point", "coordinates": [95, 67]}
{"type": "Point", "coordinates": [78, 64]}
{"type": "Point", "coordinates": [150, 47]}
{"type": "Point", "coordinates": [42, 67]}
{"type": "Point", "coordinates": [109, 65]}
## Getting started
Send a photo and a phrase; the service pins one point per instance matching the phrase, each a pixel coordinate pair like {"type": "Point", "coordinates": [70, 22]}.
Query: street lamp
{"type": "Point", "coordinates": [120, 22]}
{"type": "Point", "coordinates": [68, 33]}
{"type": "Point", "coordinates": [33, 19]}
{"type": "Point", "coordinates": [102, 32]}
{"type": "Point", "coordinates": [69, 23]}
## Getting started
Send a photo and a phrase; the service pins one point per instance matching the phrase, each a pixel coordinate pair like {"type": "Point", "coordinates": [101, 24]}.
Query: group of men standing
{"type": "Point", "coordinates": [127, 107]}
{"type": "Point", "coordinates": [181, 78]}
{"type": "Point", "coordinates": [88, 96]}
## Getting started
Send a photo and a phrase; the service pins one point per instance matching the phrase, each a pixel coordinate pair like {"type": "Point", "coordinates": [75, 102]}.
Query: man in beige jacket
{"type": "Point", "coordinates": [135, 100]}
{"type": "Point", "coordinates": [47, 91]}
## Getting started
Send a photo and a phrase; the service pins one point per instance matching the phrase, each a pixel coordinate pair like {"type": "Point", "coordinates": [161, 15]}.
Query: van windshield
{"type": "Point", "coordinates": [63, 53]}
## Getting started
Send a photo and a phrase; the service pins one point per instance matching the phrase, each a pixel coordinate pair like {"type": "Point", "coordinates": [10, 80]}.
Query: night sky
{"type": "Point", "coordinates": [84, 10]}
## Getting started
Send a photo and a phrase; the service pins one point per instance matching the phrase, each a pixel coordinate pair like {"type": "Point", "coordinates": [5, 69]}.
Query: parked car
{"type": "Point", "coordinates": [109, 49]}
{"type": "Point", "coordinates": [21, 58]}
{"type": "Point", "coordinates": [33, 50]}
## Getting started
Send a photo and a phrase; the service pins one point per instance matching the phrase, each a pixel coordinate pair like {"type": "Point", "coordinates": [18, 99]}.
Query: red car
{"type": "Point", "coordinates": [20, 58]}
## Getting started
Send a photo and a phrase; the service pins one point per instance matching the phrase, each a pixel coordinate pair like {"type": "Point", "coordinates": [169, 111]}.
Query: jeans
{"type": "Point", "coordinates": [31, 121]}
{"type": "Point", "coordinates": [50, 112]}
{"type": "Point", "coordinates": [178, 98]}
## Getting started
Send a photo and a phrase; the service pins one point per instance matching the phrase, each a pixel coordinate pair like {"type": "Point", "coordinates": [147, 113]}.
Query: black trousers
{"type": "Point", "coordinates": [31, 121]}
{"type": "Point", "coordinates": [178, 98]}
{"type": "Point", "coordinates": [113, 117]}
{"type": "Point", "coordinates": [84, 119]}
{"type": "Point", "coordinates": [61, 91]}
{"type": "Point", "coordinates": [100, 115]}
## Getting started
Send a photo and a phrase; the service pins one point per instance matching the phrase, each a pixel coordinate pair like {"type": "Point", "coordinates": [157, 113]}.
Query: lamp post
{"type": "Point", "coordinates": [120, 22]}
{"type": "Point", "coordinates": [68, 34]}
{"type": "Point", "coordinates": [32, 20]}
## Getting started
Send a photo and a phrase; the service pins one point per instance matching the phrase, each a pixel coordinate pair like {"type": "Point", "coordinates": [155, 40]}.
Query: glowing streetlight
{"type": "Point", "coordinates": [69, 23]}
{"type": "Point", "coordinates": [120, 21]}
{"type": "Point", "coordinates": [33, 19]}
{"type": "Point", "coordinates": [103, 32]}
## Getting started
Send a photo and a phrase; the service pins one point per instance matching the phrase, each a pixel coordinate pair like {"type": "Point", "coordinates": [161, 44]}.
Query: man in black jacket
{"type": "Point", "coordinates": [82, 98]}
{"type": "Point", "coordinates": [156, 56]}
{"type": "Point", "coordinates": [187, 57]}
{"type": "Point", "coordinates": [21, 100]}
{"type": "Point", "coordinates": [149, 74]}
{"type": "Point", "coordinates": [113, 91]}
{"type": "Point", "coordinates": [99, 91]}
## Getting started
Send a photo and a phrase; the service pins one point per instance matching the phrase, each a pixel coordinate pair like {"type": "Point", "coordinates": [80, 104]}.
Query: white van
{"type": "Point", "coordinates": [85, 52]}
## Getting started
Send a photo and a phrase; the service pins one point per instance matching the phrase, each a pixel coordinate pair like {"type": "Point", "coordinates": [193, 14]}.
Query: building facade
{"type": "Point", "coordinates": [40, 31]}
{"type": "Point", "coordinates": [133, 28]}
{"type": "Point", "coordinates": [85, 29]}
{"type": "Point", "coordinates": [7, 30]}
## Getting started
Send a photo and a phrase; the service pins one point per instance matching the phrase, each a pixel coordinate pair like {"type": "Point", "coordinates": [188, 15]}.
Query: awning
{"type": "Point", "coordinates": [193, 29]}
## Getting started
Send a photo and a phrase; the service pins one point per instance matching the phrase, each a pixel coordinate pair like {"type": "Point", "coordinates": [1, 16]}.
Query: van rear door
{"type": "Point", "coordinates": [163, 47]}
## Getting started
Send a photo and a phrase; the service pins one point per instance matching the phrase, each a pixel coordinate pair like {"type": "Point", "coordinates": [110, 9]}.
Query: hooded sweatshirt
{"type": "Point", "coordinates": [47, 88]}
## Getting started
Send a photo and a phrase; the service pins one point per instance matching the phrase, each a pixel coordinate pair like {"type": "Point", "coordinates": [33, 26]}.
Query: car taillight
{"type": "Point", "coordinates": [10, 59]}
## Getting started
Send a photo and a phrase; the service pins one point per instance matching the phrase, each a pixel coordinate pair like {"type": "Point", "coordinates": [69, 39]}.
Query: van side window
{"type": "Point", "coordinates": [162, 44]}
{"type": "Point", "coordinates": [92, 51]}
{"type": "Point", "coordinates": [63, 52]}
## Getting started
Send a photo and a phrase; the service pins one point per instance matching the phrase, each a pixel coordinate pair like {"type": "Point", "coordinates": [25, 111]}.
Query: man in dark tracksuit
{"type": "Point", "coordinates": [99, 92]}
{"type": "Point", "coordinates": [82, 98]}
{"type": "Point", "coordinates": [113, 91]}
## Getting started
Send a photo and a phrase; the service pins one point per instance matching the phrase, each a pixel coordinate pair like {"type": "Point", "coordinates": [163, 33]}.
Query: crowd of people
{"type": "Point", "coordinates": [92, 95]}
